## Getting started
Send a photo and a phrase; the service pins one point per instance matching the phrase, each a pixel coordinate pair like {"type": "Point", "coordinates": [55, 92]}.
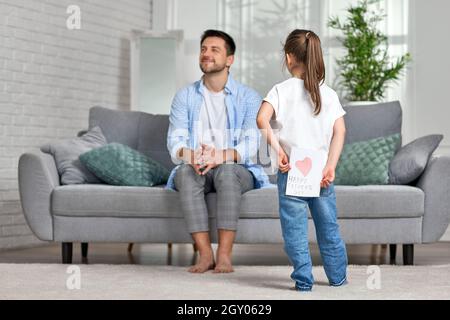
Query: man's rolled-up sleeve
{"type": "Point", "coordinates": [178, 134]}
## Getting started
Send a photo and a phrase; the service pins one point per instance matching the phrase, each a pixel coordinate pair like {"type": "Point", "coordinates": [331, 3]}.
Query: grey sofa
{"type": "Point", "coordinates": [371, 214]}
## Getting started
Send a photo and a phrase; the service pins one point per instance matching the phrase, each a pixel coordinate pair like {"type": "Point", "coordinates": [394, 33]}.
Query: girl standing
{"type": "Point", "coordinates": [310, 116]}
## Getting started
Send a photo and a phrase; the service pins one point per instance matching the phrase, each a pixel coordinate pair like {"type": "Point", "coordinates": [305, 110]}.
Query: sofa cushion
{"type": "Point", "coordinates": [66, 153]}
{"type": "Point", "coordinates": [365, 122]}
{"type": "Point", "coordinates": [384, 201]}
{"type": "Point", "coordinates": [118, 164]}
{"type": "Point", "coordinates": [115, 201]}
{"type": "Point", "coordinates": [380, 201]}
{"type": "Point", "coordinates": [117, 125]}
{"type": "Point", "coordinates": [152, 138]}
{"type": "Point", "coordinates": [142, 131]}
{"type": "Point", "coordinates": [366, 162]}
{"type": "Point", "coordinates": [411, 160]}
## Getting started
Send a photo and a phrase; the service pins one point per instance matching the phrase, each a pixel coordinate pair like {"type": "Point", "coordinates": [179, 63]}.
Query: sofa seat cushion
{"type": "Point", "coordinates": [373, 201]}
{"type": "Point", "coordinates": [100, 200]}
{"type": "Point", "coordinates": [96, 200]}
{"type": "Point", "coordinates": [380, 201]}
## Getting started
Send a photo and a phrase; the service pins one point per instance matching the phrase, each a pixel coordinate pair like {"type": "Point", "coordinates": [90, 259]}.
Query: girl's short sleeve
{"type": "Point", "coordinates": [273, 98]}
{"type": "Point", "coordinates": [337, 108]}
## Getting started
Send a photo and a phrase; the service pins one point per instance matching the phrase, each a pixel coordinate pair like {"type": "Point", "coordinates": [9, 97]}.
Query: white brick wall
{"type": "Point", "coordinates": [49, 78]}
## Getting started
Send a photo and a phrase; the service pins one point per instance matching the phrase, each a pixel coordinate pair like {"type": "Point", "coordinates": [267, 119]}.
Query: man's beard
{"type": "Point", "coordinates": [214, 69]}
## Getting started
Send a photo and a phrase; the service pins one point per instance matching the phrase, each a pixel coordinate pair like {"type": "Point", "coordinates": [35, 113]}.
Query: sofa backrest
{"type": "Point", "coordinates": [141, 131]}
{"type": "Point", "coordinates": [147, 133]}
{"type": "Point", "coordinates": [364, 122]}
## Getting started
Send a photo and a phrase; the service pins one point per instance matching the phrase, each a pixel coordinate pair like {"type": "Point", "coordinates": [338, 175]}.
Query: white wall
{"type": "Point", "coordinates": [432, 70]}
{"type": "Point", "coordinates": [49, 78]}
{"type": "Point", "coordinates": [431, 100]}
{"type": "Point", "coordinates": [185, 16]}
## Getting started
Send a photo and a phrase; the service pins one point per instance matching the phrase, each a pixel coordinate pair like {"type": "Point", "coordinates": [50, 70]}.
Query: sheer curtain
{"type": "Point", "coordinates": [260, 28]}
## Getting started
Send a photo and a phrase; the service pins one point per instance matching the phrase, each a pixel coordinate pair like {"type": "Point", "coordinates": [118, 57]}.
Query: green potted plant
{"type": "Point", "coordinates": [365, 70]}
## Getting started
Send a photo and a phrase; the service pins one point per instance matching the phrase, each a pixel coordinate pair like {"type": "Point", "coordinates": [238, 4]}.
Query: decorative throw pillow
{"type": "Point", "coordinates": [366, 162]}
{"type": "Point", "coordinates": [410, 161]}
{"type": "Point", "coordinates": [118, 164]}
{"type": "Point", "coordinates": [66, 153]}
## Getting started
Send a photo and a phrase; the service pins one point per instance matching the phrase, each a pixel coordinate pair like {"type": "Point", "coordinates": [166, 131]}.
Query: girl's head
{"type": "Point", "coordinates": [303, 53]}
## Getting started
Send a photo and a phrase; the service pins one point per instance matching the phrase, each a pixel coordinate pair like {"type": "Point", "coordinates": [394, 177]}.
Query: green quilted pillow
{"type": "Point", "coordinates": [366, 162]}
{"type": "Point", "coordinates": [121, 165]}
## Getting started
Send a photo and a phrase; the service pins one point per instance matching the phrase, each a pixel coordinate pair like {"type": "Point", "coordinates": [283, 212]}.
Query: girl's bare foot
{"type": "Point", "coordinates": [223, 264]}
{"type": "Point", "coordinates": [205, 263]}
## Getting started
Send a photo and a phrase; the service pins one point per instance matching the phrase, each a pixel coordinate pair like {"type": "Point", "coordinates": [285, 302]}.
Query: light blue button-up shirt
{"type": "Point", "coordinates": [242, 104]}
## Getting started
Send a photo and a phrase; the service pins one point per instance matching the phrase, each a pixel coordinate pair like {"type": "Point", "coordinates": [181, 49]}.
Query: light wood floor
{"type": "Point", "coordinates": [183, 254]}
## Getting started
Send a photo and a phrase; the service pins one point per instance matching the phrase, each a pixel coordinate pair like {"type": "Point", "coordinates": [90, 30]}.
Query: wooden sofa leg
{"type": "Point", "coordinates": [408, 254]}
{"type": "Point", "coordinates": [130, 247]}
{"type": "Point", "coordinates": [169, 254]}
{"type": "Point", "coordinates": [67, 252]}
{"type": "Point", "coordinates": [84, 249]}
{"type": "Point", "coordinates": [392, 253]}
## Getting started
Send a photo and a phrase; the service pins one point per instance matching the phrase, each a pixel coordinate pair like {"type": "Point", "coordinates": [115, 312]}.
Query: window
{"type": "Point", "coordinates": [260, 28]}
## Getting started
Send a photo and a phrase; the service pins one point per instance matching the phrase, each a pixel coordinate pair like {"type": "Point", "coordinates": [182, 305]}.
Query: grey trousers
{"type": "Point", "coordinates": [229, 181]}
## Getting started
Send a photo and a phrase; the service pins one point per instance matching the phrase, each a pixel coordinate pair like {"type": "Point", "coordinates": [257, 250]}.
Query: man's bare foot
{"type": "Point", "coordinates": [223, 264]}
{"type": "Point", "coordinates": [205, 263]}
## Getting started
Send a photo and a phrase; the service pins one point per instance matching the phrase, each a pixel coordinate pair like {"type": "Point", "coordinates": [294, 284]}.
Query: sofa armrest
{"type": "Point", "coordinates": [38, 177]}
{"type": "Point", "coordinates": [435, 182]}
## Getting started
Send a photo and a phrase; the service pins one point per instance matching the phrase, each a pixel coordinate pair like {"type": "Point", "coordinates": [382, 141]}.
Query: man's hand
{"type": "Point", "coordinates": [192, 157]}
{"type": "Point", "coordinates": [328, 176]}
{"type": "Point", "coordinates": [206, 157]}
{"type": "Point", "coordinates": [210, 158]}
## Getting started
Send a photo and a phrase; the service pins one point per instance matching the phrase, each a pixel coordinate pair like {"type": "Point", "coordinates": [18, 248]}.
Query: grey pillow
{"type": "Point", "coordinates": [411, 160]}
{"type": "Point", "coordinates": [66, 154]}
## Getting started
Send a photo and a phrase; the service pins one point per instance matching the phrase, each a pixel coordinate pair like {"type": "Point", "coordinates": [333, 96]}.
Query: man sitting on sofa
{"type": "Point", "coordinates": [213, 134]}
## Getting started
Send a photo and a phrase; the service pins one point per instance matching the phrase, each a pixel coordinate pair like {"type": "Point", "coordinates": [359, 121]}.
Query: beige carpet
{"type": "Point", "coordinates": [48, 281]}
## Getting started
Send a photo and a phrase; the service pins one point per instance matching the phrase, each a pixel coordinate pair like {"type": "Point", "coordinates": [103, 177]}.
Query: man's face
{"type": "Point", "coordinates": [213, 55]}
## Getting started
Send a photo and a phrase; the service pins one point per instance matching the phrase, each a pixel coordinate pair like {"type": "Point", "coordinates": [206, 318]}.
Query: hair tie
{"type": "Point", "coordinates": [307, 35]}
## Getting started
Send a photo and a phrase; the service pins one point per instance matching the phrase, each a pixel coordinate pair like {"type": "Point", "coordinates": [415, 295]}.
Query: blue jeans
{"type": "Point", "coordinates": [294, 225]}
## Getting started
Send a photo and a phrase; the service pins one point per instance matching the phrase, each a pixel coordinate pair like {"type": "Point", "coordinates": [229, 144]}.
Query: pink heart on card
{"type": "Point", "coordinates": [304, 166]}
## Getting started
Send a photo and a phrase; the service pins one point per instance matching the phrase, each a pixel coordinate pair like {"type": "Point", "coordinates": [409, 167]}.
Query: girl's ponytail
{"type": "Point", "coordinates": [315, 70]}
{"type": "Point", "coordinates": [305, 46]}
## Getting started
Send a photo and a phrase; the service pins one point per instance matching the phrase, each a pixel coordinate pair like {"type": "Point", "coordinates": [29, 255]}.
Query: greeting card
{"type": "Point", "coordinates": [306, 172]}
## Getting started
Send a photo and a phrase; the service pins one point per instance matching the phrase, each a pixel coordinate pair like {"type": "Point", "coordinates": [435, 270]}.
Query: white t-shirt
{"type": "Point", "coordinates": [213, 120]}
{"type": "Point", "coordinates": [297, 126]}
